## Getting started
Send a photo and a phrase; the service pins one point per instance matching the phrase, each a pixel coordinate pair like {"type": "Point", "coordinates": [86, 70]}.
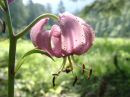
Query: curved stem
{"type": "Point", "coordinates": [34, 22]}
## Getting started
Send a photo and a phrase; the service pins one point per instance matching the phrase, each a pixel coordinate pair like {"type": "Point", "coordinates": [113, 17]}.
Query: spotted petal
{"type": "Point", "coordinates": [89, 36]}
{"type": "Point", "coordinates": [73, 35]}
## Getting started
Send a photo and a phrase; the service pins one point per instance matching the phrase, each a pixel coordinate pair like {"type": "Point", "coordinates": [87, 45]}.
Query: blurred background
{"type": "Point", "coordinates": [109, 56]}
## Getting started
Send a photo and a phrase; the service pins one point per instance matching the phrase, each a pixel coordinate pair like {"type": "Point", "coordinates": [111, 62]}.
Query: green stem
{"type": "Point", "coordinates": [12, 52]}
{"type": "Point", "coordinates": [47, 15]}
{"type": "Point", "coordinates": [11, 66]}
{"type": "Point", "coordinates": [8, 20]}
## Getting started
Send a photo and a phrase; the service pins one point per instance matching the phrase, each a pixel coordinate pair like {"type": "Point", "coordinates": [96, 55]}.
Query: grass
{"type": "Point", "coordinates": [35, 76]}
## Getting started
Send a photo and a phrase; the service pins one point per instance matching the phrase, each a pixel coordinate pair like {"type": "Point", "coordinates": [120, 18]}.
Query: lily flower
{"type": "Point", "coordinates": [71, 36]}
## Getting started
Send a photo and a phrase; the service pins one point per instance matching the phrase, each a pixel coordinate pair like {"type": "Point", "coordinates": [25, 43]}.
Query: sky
{"type": "Point", "coordinates": [69, 5]}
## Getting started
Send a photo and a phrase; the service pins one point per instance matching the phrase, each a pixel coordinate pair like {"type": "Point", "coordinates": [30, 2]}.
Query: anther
{"type": "Point", "coordinates": [90, 73]}
{"type": "Point", "coordinates": [83, 69]}
{"type": "Point", "coordinates": [53, 81]}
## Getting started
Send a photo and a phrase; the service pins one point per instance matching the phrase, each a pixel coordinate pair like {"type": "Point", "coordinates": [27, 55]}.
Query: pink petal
{"type": "Point", "coordinates": [37, 28]}
{"type": "Point", "coordinates": [89, 35]}
{"type": "Point", "coordinates": [43, 41]}
{"type": "Point", "coordinates": [73, 35]}
{"type": "Point", "coordinates": [56, 41]}
{"type": "Point", "coordinates": [40, 37]}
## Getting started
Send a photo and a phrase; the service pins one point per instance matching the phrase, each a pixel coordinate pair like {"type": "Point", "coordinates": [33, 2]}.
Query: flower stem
{"type": "Point", "coordinates": [12, 52]}
{"type": "Point", "coordinates": [47, 15]}
{"type": "Point", "coordinates": [11, 66]}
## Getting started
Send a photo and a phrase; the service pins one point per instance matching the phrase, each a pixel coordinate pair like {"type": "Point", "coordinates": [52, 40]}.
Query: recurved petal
{"type": "Point", "coordinates": [41, 37]}
{"type": "Point", "coordinates": [37, 28]}
{"type": "Point", "coordinates": [73, 35]}
{"type": "Point", "coordinates": [87, 28]}
{"type": "Point", "coordinates": [89, 36]}
{"type": "Point", "coordinates": [43, 41]}
{"type": "Point", "coordinates": [56, 41]}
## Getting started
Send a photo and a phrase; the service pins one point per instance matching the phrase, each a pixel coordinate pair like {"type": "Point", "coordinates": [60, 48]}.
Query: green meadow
{"type": "Point", "coordinates": [109, 59]}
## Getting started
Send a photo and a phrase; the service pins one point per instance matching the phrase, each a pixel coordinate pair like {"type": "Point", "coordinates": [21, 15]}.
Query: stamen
{"type": "Point", "coordinates": [70, 63]}
{"type": "Point", "coordinates": [53, 81]}
{"type": "Point", "coordinates": [90, 73]}
{"type": "Point", "coordinates": [61, 68]}
{"type": "Point", "coordinates": [75, 80]}
{"type": "Point", "coordinates": [67, 69]}
{"type": "Point", "coordinates": [72, 57]}
{"type": "Point", "coordinates": [57, 74]}
{"type": "Point", "coordinates": [63, 64]}
{"type": "Point", "coordinates": [83, 68]}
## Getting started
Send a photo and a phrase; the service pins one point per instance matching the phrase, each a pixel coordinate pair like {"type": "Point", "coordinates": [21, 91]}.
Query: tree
{"type": "Point", "coordinates": [109, 17]}
{"type": "Point", "coordinates": [61, 7]}
{"type": "Point", "coordinates": [48, 8]}
{"type": "Point", "coordinates": [34, 10]}
{"type": "Point", "coordinates": [18, 13]}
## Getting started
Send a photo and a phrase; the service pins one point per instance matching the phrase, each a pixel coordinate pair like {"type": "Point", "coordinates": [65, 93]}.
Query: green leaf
{"type": "Point", "coordinates": [33, 51]}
